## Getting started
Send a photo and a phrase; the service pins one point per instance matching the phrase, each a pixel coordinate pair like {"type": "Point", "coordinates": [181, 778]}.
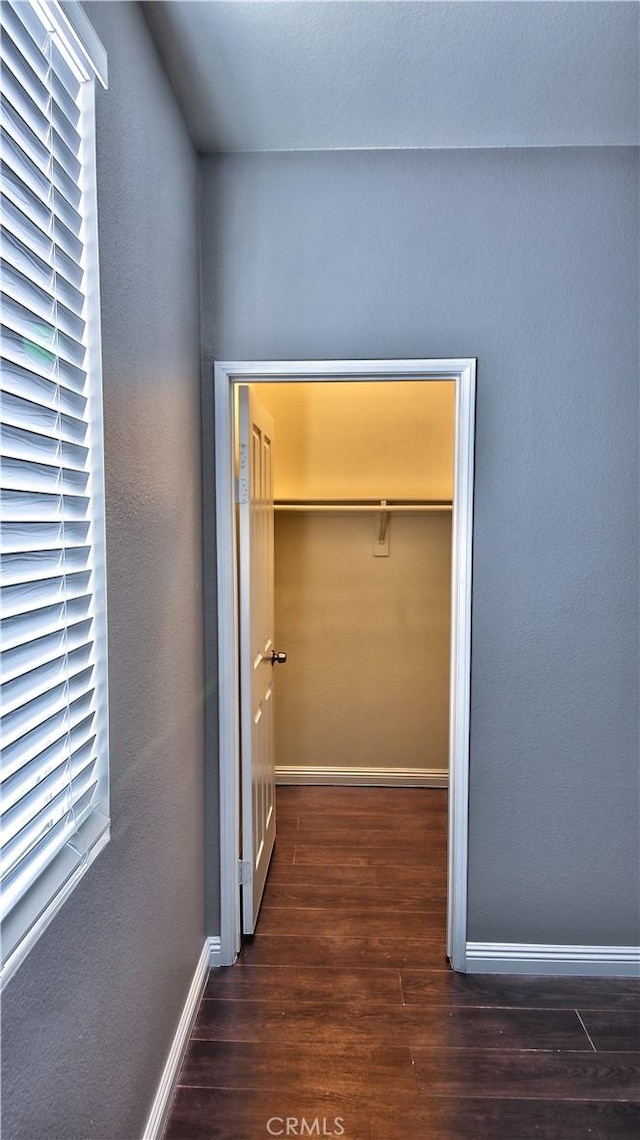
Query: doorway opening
{"type": "Point", "coordinates": [388, 513]}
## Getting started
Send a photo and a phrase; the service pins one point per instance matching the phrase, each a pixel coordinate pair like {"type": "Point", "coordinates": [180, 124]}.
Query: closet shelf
{"type": "Point", "coordinates": [346, 506]}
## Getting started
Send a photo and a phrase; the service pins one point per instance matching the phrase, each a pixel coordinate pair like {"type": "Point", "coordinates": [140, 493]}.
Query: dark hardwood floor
{"type": "Point", "coordinates": [342, 1017]}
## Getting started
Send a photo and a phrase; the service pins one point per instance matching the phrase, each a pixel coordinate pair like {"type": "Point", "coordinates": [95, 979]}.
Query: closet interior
{"type": "Point", "coordinates": [363, 487]}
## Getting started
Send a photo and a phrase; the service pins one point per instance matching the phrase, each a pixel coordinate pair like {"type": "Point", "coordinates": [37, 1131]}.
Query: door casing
{"type": "Point", "coordinates": [226, 375]}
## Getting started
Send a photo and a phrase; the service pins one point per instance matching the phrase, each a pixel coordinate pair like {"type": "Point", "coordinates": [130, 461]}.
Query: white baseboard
{"type": "Point", "coordinates": [363, 777]}
{"type": "Point", "coordinates": [521, 958]}
{"type": "Point", "coordinates": [164, 1094]}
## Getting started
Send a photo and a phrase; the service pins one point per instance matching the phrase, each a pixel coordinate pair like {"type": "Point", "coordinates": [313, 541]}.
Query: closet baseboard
{"type": "Point", "coordinates": [363, 777]}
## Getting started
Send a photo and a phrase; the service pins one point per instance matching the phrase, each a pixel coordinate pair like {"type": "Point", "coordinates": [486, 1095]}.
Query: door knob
{"type": "Point", "coordinates": [278, 658]}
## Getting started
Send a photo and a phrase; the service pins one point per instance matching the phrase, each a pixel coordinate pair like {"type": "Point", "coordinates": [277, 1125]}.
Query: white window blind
{"type": "Point", "coordinates": [54, 813]}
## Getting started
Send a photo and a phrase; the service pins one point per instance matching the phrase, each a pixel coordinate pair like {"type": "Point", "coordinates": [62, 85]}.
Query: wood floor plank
{"type": "Point", "coordinates": [548, 1076]}
{"type": "Point", "coordinates": [519, 990]}
{"type": "Point", "coordinates": [388, 924]}
{"type": "Point", "coordinates": [364, 952]}
{"type": "Point", "coordinates": [320, 896]}
{"type": "Point", "coordinates": [359, 856]}
{"type": "Point", "coordinates": [283, 852]}
{"type": "Point", "coordinates": [422, 1118]}
{"type": "Point", "coordinates": [613, 1030]}
{"type": "Point", "coordinates": [299, 983]}
{"type": "Point", "coordinates": [416, 837]}
{"type": "Point", "coordinates": [430, 820]}
{"type": "Point", "coordinates": [367, 1023]}
{"type": "Point", "coordinates": [431, 879]}
{"type": "Point", "coordinates": [288, 829]}
{"type": "Point", "coordinates": [329, 1070]}
{"type": "Point", "coordinates": [252, 1114]}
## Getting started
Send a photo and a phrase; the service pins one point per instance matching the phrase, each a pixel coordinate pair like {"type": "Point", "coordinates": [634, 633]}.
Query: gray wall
{"type": "Point", "coordinates": [529, 261]}
{"type": "Point", "coordinates": [89, 1017]}
{"type": "Point", "coordinates": [367, 678]}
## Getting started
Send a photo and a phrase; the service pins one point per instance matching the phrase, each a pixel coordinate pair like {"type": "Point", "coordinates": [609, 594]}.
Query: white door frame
{"type": "Point", "coordinates": [226, 375]}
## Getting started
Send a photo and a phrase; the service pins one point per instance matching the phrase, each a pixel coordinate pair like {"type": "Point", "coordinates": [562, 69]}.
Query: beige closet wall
{"type": "Point", "coordinates": [360, 440]}
{"type": "Point", "coordinates": [367, 679]}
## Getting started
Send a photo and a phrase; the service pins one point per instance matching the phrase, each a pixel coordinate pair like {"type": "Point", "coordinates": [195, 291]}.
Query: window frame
{"type": "Point", "coordinates": [85, 55]}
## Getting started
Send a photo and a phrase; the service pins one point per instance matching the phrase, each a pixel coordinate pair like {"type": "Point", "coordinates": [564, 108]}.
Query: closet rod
{"type": "Point", "coordinates": [375, 506]}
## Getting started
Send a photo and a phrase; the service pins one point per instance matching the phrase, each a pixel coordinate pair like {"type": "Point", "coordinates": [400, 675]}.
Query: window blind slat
{"type": "Point", "coordinates": [24, 345]}
{"type": "Point", "coordinates": [40, 678]}
{"type": "Point", "coordinates": [20, 257]}
{"type": "Point", "coordinates": [65, 129]}
{"type": "Point", "coordinates": [66, 156]}
{"type": "Point", "coordinates": [35, 333]}
{"type": "Point", "coordinates": [28, 598]}
{"type": "Point", "coordinates": [18, 881]}
{"type": "Point", "coordinates": [65, 185]}
{"type": "Point", "coordinates": [20, 184]}
{"type": "Point", "coordinates": [64, 237]}
{"type": "Point", "coordinates": [39, 797]}
{"type": "Point", "coordinates": [22, 843]}
{"type": "Point", "coordinates": [27, 778]}
{"type": "Point", "coordinates": [28, 384]}
{"type": "Point", "coordinates": [24, 17]}
{"type": "Point", "coordinates": [22, 101]}
{"type": "Point", "coordinates": [69, 273]}
{"type": "Point", "coordinates": [46, 648]}
{"type": "Point", "coordinates": [25, 537]}
{"type": "Point", "coordinates": [72, 618]}
{"type": "Point", "coordinates": [41, 565]}
{"type": "Point", "coordinates": [29, 746]}
{"type": "Point", "coordinates": [20, 350]}
{"type": "Point", "coordinates": [30, 41]}
{"type": "Point", "coordinates": [42, 419]}
{"type": "Point", "coordinates": [32, 191]}
{"type": "Point", "coordinates": [25, 136]}
{"type": "Point", "coordinates": [52, 842]}
{"type": "Point", "coordinates": [63, 73]}
{"type": "Point", "coordinates": [63, 100]}
{"type": "Point", "coordinates": [21, 67]}
{"type": "Point", "coordinates": [70, 269]}
{"type": "Point", "coordinates": [27, 293]}
{"type": "Point", "coordinates": [69, 217]}
{"type": "Point", "coordinates": [20, 476]}
{"type": "Point", "coordinates": [41, 108]}
{"type": "Point", "coordinates": [25, 296]}
{"type": "Point", "coordinates": [70, 374]}
{"type": "Point", "coordinates": [19, 722]}
{"type": "Point", "coordinates": [22, 537]}
{"type": "Point", "coordinates": [51, 188]}
{"type": "Point", "coordinates": [20, 443]}
{"type": "Point", "coordinates": [20, 253]}
{"type": "Point", "coordinates": [24, 228]}
{"type": "Point", "coordinates": [42, 508]}
{"type": "Point", "coordinates": [27, 185]}
{"type": "Point", "coordinates": [46, 620]}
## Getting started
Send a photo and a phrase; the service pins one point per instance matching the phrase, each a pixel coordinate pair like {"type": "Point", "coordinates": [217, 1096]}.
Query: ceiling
{"type": "Point", "coordinates": [333, 74]}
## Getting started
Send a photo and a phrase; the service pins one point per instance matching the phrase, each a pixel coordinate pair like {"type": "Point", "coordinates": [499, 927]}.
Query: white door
{"type": "Point", "coordinates": [257, 654]}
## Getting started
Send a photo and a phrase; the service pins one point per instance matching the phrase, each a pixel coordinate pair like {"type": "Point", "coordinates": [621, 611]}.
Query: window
{"type": "Point", "coordinates": [54, 730]}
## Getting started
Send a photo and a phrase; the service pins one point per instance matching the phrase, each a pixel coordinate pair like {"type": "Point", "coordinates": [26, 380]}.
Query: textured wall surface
{"type": "Point", "coordinates": [367, 678]}
{"type": "Point", "coordinates": [88, 1019]}
{"type": "Point", "coordinates": [529, 261]}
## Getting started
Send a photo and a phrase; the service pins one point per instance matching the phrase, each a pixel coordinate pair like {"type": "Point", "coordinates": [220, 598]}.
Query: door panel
{"type": "Point", "coordinates": [255, 519]}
